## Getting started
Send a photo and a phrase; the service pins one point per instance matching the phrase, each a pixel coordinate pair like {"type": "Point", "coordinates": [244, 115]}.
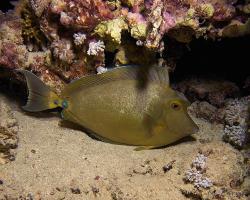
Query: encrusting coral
{"type": "Point", "coordinates": [77, 33]}
{"type": "Point", "coordinates": [236, 121]}
{"type": "Point", "coordinates": [195, 175]}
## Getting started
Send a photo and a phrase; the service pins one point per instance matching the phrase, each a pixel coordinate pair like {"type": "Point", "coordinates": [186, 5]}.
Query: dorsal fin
{"type": "Point", "coordinates": [131, 72]}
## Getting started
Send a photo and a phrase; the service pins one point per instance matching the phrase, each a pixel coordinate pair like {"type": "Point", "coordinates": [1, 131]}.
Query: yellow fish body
{"type": "Point", "coordinates": [126, 105]}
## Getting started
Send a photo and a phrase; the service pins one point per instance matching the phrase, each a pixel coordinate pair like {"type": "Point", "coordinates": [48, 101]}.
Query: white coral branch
{"type": "Point", "coordinates": [79, 38]}
{"type": "Point", "coordinates": [96, 47]}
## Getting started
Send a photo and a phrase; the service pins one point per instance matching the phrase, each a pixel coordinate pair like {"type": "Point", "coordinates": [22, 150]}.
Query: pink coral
{"type": "Point", "coordinates": [155, 20]}
{"type": "Point", "coordinates": [138, 6]}
{"type": "Point", "coordinates": [12, 55]}
{"type": "Point", "coordinates": [168, 22]}
{"type": "Point", "coordinates": [9, 55]}
{"type": "Point", "coordinates": [135, 18]}
{"type": "Point", "coordinates": [62, 49]}
{"type": "Point", "coordinates": [87, 14]}
{"type": "Point", "coordinates": [66, 28]}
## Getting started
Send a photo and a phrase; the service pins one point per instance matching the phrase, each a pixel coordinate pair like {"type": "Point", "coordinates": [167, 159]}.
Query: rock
{"type": "Point", "coordinates": [213, 91]}
{"type": "Point", "coordinates": [206, 111]}
{"type": "Point", "coordinates": [8, 133]}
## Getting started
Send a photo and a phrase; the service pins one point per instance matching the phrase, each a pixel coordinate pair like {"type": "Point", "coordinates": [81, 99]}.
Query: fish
{"type": "Point", "coordinates": [129, 105]}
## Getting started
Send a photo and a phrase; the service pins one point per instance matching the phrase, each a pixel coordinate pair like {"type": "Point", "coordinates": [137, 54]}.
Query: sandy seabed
{"type": "Point", "coordinates": [58, 162]}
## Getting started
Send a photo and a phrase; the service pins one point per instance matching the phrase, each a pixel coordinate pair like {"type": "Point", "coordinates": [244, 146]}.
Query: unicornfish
{"type": "Point", "coordinates": [128, 105]}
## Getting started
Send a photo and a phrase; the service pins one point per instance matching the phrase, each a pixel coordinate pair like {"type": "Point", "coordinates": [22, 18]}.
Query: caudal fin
{"type": "Point", "coordinates": [41, 97]}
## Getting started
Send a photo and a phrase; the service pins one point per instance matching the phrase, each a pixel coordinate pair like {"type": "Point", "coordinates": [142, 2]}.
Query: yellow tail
{"type": "Point", "coordinates": [41, 97]}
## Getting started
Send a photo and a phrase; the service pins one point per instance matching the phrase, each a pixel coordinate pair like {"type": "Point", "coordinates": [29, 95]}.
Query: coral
{"type": "Point", "coordinates": [62, 49]}
{"type": "Point", "coordinates": [79, 38]}
{"type": "Point", "coordinates": [192, 175]}
{"type": "Point", "coordinates": [129, 3]}
{"type": "Point", "coordinates": [234, 116]}
{"type": "Point", "coordinates": [57, 6]}
{"type": "Point", "coordinates": [95, 47]}
{"type": "Point", "coordinates": [236, 121]}
{"type": "Point", "coordinates": [139, 43]}
{"type": "Point", "coordinates": [39, 6]}
{"type": "Point", "coordinates": [195, 175]}
{"type": "Point", "coordinates": [11, 55]}
{"type": "Point", "coordinates": [101, 70]}
{"type": "Point", "coordinates": [137, 25]}
{"type": "Point", "coordinates": [235, 135]}
{"type": "Point", "coordinates": [223, 11]}
{"type": "Point", "coordinates": [31, 32]}
{"type": "Point", "coordinates": [8, 133]}
{"type": "Point", "coordinates": [111, 31]}
{"type": "Point", "coordinates": [85, 14]}
{"type": "Point", "coordinates": [14, 54]}
{"type": "Point", "coordinates": [221, 180]}
{"type": "Point", "coordinates": [126, 55]}
{"type": "Point", "coordinates": [205, 10]}
{"type": "Point", "coordinates": [199, 162]}
{"type": "Point", "coordinates": [71, 29]}
{"type": "Point", "coordinates": [12, 50]}
{"type": "Point", "coordinates": [10, 29]}
{"type": "Point", "coordinates": [65, 19]}
{"type": "Point", "coordinates": [155, 19]}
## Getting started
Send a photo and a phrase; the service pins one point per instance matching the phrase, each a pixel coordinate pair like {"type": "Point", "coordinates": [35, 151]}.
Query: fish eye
{"type": "Point", "coordinates": [175, 105]}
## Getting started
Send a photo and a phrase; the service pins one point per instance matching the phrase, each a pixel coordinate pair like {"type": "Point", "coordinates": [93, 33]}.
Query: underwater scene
{"type": "Point", "coordinates": [124, 99]}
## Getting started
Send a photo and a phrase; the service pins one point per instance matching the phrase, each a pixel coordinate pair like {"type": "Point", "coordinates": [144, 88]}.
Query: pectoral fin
{"type": "Point", "coordinates": [148, 123]}
{"type": "Point", "coordinates": [152, 119]}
